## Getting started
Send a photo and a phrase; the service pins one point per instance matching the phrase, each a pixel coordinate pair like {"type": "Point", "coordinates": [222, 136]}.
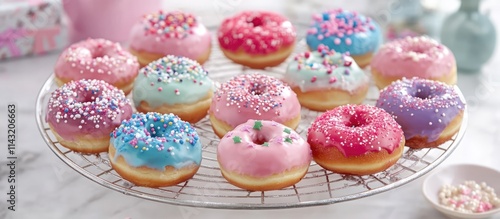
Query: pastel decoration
{"type": "Point", "coordinates": [45, 35]}
{"type": "Point", "coordinates": [157, 140]}
{"type": "Point", "coordinates": [344, 31]}
{"type": "Point", "coordinates": [325, 69]}
{"type": "Point", "coordinates": [8, 39]}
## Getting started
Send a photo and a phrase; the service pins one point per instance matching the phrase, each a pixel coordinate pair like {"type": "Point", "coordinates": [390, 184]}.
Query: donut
{"type": "Point", "coordinates": [324, 79]}
{"type": "Point", "coordinates": [410, 57]}
{"type": "Point", "coordinates": [175, 85]}
{"type": "Point", "coordinates": [261, 155]}
{"type": "Point", "coordinates": [170, 33]}
{"type": "Point", "coordinates": [430, 112]}
{"type": "Point", "coordinates": [253, 96]}
{"type": "Point", "coordinates": [345, 31]}
{"type": "Point", "coordinates": [257, 39]}
{"type": "Point", "coordinates": [356, 139]}
{"type": "Point", "coordinates": [155, 150]}
{"type": "Point", "coordinates": [97, 59]}
{"type": "Point", "coordinates": [82, 113]}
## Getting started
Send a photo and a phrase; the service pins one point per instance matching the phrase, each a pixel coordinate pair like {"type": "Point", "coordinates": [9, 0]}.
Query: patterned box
{"type": "Point", "coordinates": [31, 27]}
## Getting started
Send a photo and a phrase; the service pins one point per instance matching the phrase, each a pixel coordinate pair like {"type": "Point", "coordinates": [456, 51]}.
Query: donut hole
{"type": "Point", "coordinates": [260, 139]}
{"type": "Point", "coordinates": [356, 120]}
{"type": "Point", "coordinates": [423, 92]}
{"type": "Point", "coordinates": [155, 134]}
{"type": "Point", "coordinates": [256, 21]}
{"type": "Point", "coordinates": [419, 47]}
{"type": "Point", "coordinates": [422, 95]}
{"type": "Point", "coordinates": [98, 54]}
{"type": "Point", "coordinates": [257, 89]}
{"type": "Point", "coordinates": [87, 97]}
{"type": "Point", "coordinates": [419, 50]}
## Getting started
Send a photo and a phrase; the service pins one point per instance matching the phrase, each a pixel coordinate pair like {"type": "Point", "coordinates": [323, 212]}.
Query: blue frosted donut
{"type": "Point", "coordinates": [155, 144]}
{"type": "Point", "coordinates": [344, 31]}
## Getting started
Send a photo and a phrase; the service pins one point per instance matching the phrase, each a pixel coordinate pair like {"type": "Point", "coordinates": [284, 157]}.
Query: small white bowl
{"type": "Point", "coordinates": [455, 175]}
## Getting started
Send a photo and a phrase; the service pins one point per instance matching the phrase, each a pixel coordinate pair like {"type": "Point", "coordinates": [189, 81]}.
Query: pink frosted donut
{"type": "Point", "coordinates": [170, 33]}
{"type": "Point", "coordinates": [262, 155]}
{"type": "Point", "coordinates": [83, 113]}
{"type": "Point", "coordinates": [356, 139]}
{"type": "Point", "coordinates": [253, 96]}
{"type": "Point", "coordinates": [410, 57]}
{"type": "Point", "coordinates": [97, 59]}
{"type": "Point", "coordinates": [257, 39]}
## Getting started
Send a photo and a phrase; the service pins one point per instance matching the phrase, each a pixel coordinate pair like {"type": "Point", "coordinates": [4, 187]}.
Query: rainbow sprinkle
{"type": "Point", "coordinates": [257, 91]}
{"type": "Point", "coordinates": [169, 24]}
{"type": "Point", "coordinates": [339, 23]}
{"type": "Point", "coordinates": [150, 131]}
{"type": "Point", "coordinates": [327, 62]}
{"type": "Point", "coordinates": [175, 69]}
{"type": "Point", "coordinates": [87, 103]}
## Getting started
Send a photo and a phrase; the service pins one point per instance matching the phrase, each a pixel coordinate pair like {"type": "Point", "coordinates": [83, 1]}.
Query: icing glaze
{"type": "Point", "coordinates": [356, 130]}
{"type": "Point", "coordinates": [254, 96]}
{"type": "Point", "coordinates": [344, 31]}
{"type": "Point", "coordinates": [256, 32]}
{"type": "Point", "coordinates": [324, 69]}
{"type": "Point", "coordinates": [97, 59]}
{"type": "Point", "coordinates": [174, 33]}
{"type": "Point", "coordinates": [171, 80]}
{"type": "Point", "coordinates": [87, 107]}
{"type": "Point", "coordinates": [262, 148]}
{"type": "Point", "coordinates": [156, 140]}
{"type": "Point", "coordinates": [422, 107]}
{"type": "Point", "coordinates": [409, 57]}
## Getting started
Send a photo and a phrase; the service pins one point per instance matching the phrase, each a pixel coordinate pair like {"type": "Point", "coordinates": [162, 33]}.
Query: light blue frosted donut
{"type": "Point", "coordinates": [344, 31]}
{"type": "Point", "coordinates": [156, 140]}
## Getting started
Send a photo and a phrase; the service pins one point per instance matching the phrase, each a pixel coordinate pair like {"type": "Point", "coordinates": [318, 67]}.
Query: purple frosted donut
{"type": "Point", "coordinates": [430, 112]}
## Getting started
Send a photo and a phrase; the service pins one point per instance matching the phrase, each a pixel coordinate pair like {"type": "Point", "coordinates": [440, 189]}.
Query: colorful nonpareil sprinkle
{"type": "Point", "coordinates": [169, 24]}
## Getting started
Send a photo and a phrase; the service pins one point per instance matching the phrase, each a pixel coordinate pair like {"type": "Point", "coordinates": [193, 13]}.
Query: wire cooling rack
{"type": "Point", "coordinates": [209, 189]}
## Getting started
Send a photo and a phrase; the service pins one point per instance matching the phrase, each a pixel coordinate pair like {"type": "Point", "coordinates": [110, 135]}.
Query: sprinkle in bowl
{"type": "Point", "coordinates": [456, 175]}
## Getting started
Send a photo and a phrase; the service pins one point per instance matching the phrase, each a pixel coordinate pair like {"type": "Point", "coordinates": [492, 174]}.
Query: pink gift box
{"type": "Point", "coordinates": [30, 27]}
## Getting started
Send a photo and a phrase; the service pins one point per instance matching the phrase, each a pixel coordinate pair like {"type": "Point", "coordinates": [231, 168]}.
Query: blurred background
{"type": "Point", "coordinates": [34, 32]}
{"type": "Point", "coordinates": [36, 27]}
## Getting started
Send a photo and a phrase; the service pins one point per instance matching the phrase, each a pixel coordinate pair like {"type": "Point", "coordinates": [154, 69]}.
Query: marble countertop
{"type": "Point", "coordinates": [48, 188]}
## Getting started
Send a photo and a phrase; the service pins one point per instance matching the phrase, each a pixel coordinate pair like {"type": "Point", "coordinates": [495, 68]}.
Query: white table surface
{"type": "Point", "coordinates": [47, 188]}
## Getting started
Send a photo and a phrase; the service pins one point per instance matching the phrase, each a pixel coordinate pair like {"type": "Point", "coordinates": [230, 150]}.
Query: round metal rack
{"type": "Point", "coordinates": [209, 189]}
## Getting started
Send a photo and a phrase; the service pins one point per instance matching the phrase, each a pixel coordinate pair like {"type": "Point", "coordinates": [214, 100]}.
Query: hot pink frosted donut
{"type": "Point", "coordinates": [97, 59]}
{"type": "Point", "coordinates": [257, 39]}
{"type": "Point", "coordinates": [410, 57]}
{"type": "Point", "coordinates": [170, 33]}
{"type": "Point", "coordinates": [356, 139]}
{"type": "Point", "coordinates": [253, 96]}
{"type": "Point", "coordinates": [263, 155]}
{"type": "Point", "coordinates": [83, 113]}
